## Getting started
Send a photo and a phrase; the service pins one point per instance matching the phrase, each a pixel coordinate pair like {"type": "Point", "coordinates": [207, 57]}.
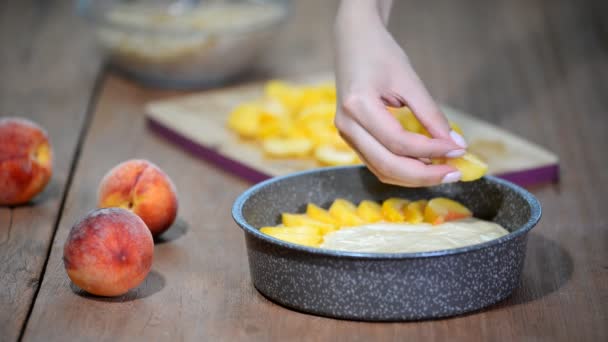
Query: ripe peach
{"type": "Point", "coordinates": [143, 188]}
{"type": "Point", "coordinates": [25, 160]}
{"type": "Point", "coordinates": [108, 252]}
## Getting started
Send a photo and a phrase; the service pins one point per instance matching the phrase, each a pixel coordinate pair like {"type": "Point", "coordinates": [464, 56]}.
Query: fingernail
{"type": "Point", "coordinates": [451, 177]}
{"type": "Point", "coordinates": [455, 153]}
{"type": "Point", "coordinates": [458, 139]}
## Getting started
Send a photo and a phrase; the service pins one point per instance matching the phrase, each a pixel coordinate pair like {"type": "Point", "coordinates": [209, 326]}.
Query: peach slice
{"type": "Point", "coordinates": [320, 214]}
{"type": "Point", "coordinates": [324, 111]}
{"type": "Point", "coordinates": [287, 147]}
{"type": "Point", "coordinates": [295, 220]}
{"type": "Point", "coordinates": [309, 230]}
{"type": "Point", "coordinates": [469, 165]}
{"type": "Point", "coordinates": [288, 94]}
{"type": "Point", "coordinates": [441, 209]}
{"type": "Point", "coordinates": [108, 252]}
{"type": "Point", "coordinates": [143, 188]}
{"type": "Point", "coordinates": [330, 155]}
{"type": "Point", "coordinates": [245, 119]}
{"type": "Point", "coordinates": [25, 160]}
{"type": "Point", "coordinates": [414, 212]}
{"type": "Point", "coordinates": [456, 128]}
{"type": "Point", "coordinates": [406, 118]}
{"type": "Point", "coordinates": [345, 213]}
{"type": "Point", "coordinates": [307, 236]}
{"type": "Point", "coordinates": [392, 209]}
{"type": "Point", "coordinates": [370, 211]}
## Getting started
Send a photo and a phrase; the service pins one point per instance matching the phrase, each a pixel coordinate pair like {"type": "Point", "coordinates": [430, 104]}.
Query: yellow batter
{"type": "Point", "coordinates": [409, 238]}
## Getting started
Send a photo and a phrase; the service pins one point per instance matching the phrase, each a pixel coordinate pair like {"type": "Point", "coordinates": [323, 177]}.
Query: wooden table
{"type": "Point", "coordinates": [538, 68]}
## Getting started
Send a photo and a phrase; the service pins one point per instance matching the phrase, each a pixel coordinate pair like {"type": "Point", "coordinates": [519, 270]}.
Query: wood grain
{"type": "Point", "coordinates": [47, 74]}
{"type": "Point", "coordinates": [537, 68]}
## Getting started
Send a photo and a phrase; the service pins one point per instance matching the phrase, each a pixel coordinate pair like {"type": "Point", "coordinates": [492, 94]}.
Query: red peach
{"type": "Point", "coordinates": [143, 188]}
{"type": "Point", "coordinates": [26, 160]}
{"type": "Point", "coordinates": [108, 252]}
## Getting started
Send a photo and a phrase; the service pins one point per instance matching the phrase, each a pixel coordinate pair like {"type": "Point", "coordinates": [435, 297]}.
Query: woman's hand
{"type": "Point", "coordinates": [373, 72]}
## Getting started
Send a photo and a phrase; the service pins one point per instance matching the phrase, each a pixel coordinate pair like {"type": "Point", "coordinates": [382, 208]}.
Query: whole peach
{"type": "Point", "coordinates": [26, 160]}
{"type": "Point", "coordinates": [108, 252]}
{"type": "Point", "coordinates": [143, 188]}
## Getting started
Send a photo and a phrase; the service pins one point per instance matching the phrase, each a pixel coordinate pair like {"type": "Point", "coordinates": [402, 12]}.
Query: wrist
{"type": "Point", "coordinates": [358, 15]}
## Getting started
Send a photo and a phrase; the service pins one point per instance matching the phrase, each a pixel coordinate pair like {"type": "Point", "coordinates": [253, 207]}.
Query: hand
{"type": "Point", "coordinates": [373, 72]}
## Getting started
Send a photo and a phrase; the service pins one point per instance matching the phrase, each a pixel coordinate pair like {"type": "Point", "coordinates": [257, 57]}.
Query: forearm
{"type": "Point", "coordinates": [385, 9]}
{"type": "Point", "coordinates": [354, 14]}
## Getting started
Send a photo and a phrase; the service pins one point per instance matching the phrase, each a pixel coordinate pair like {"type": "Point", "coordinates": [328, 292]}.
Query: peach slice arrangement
{"type": "Point", "coordinates": [308, 228]}
{"type": "Point", "coordinates": [110, 251]}
{"type": "Point", "coordinates": [26, 160]}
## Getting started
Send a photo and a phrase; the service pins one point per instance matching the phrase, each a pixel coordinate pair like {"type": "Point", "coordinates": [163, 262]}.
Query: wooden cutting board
{"type": "Point", "coordinates": [197, 123]}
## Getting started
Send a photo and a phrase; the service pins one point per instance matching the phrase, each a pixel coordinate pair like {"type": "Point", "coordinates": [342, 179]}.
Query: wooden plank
{"type": "Point", "coordinates": [517, 63]}
{"type": "Point", "coordinates": [48, 70]}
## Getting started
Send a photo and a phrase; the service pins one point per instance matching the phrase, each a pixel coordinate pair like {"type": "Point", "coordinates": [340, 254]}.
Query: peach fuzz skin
{"type": "Point", "coordinates": [143, 188]}
{"type": "Point", "coordinates": [108, 252]}
{"type": "Point", "coordinates": [25, 160]}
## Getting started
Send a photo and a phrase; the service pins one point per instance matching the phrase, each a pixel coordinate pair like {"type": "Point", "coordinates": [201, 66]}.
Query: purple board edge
{"type": "Point", "coordinates": [543, 174]}
{"type": "Point", "coordinates": [206, 153]}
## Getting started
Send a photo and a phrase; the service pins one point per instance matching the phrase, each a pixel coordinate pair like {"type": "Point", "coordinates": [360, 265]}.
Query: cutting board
{"type": "Point", "coordinates": [197, 123]}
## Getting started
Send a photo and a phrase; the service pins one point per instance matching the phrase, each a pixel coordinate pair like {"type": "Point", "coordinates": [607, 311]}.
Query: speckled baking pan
{"type": "Point", "coordinates": [378, 286]}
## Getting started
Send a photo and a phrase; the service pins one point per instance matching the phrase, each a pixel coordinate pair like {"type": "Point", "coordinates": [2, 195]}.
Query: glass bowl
{"type": "Point", "coordinates": [187, 43]}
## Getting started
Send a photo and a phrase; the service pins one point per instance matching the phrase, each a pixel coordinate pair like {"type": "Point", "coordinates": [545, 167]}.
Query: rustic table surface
{"type": "Point", "coordinates": [537, 68]}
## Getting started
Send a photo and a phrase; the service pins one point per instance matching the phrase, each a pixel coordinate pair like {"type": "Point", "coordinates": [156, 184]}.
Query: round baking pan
{"type": "Point", "coordinates": [384, 286]}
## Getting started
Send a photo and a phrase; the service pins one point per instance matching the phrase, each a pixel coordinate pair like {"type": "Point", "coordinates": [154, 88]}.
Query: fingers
{"type": "Point", "coordinates": [426, 110]}
{"type": "Point", "coordinates": [381, 125]}
{"type": "Point", "coordinates": [391, 168]}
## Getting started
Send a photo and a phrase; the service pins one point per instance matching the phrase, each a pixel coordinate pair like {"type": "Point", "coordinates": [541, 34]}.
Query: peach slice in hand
{"type": "Point", "coordinates": [345, 213]}
{"type": "Point", "coordinates": [143, 188]}
{"type": "Point", "coordinates": [469, 165]}
{"type": "Point", "coordinates": [441, 209]}
{"type": "Point", "coordinates": [370, 211]}
{"type": "Point", "coordinates": [406, 118]}
{"type": "Point", "coordinates": [25, 160]}
{"type": "Point", "coordinates": [392, 209]}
